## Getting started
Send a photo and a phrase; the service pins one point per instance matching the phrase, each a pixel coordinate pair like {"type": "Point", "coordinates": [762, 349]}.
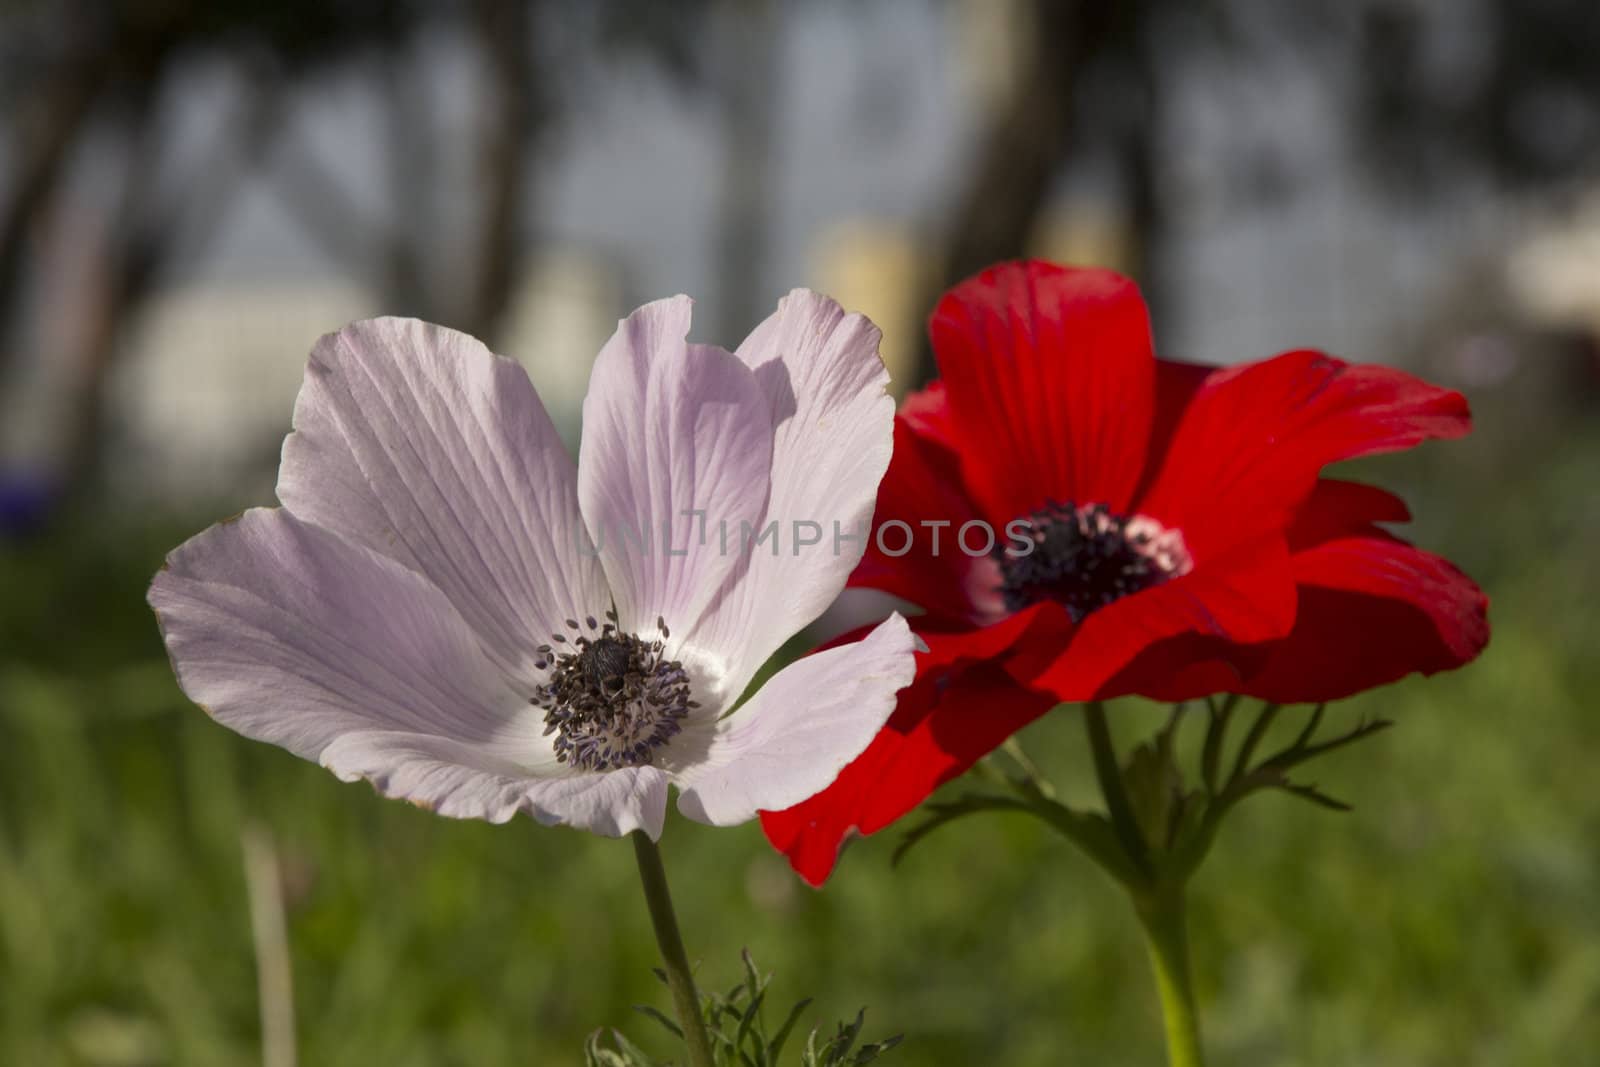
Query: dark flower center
{"type": "Point", "coordinates": [1085, 557]}
{"type": "Point", "coordinates": [611, 699]}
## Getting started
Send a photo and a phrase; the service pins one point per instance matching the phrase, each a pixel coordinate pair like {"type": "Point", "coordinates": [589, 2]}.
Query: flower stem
{"type": "Point", "coordinates": [1112, 790]}
{"type": "Point", "coordinates": [673, 958]}
{"type": "Point", "coordinates": [1158, 898]}
{"type": "Point", "coordinates": [1161, 915]}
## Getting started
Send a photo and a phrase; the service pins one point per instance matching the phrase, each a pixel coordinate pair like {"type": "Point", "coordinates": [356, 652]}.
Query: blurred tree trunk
{"type": "Point", "coordinates": [47, 127]}
{"type": "Point", "coordinates": [414, 262]}
{"type": "Point", "coordinates": [505, 31]}
{"type": "Point", "coordinates": [410, 240]}
{"type": "Point", "coordinates": [1023, 149]}
{"type": "Point", "coordinates": [1140, 152]}
{"type": "Point", "coordinates": [130, 252]}
{"type": "Point", "coordinates": [747, 95]}
{"type": "Point", "coordinates": [144, 235]}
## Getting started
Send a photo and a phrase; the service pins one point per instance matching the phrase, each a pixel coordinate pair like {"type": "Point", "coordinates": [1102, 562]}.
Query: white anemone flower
{"type": "Point", "coordinates": [449, 607]}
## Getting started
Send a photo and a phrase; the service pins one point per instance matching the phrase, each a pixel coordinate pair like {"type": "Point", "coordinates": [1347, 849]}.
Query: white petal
{"type": "Point", "coordinates": [290, 634]}
{"type": "Point", "coordinates": [418, 443]}
{"type": "Point", "coordinates": [614, 803]}
{"type": "Point", "coordinates": [799, 730]}
{"type": "Point", "coordinates": [833, 433]}
{"type": "Point", "coordinates": [671, 432]}
{"type": "Point", "coordinates": [429, 772]}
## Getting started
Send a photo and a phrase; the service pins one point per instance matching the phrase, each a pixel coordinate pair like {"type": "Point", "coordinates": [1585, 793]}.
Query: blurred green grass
{"type": "Point", "coordinates": [1451, 919]}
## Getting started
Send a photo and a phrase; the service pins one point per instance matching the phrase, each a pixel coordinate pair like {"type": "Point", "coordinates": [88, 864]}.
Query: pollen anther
{"type": "Point", "coordinates": [613, 699]}
{"type": "Point", "coordinates": [1086, 556]}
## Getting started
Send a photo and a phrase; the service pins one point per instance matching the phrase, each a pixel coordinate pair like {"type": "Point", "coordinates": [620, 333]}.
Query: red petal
{"type": "Point", "coordinates": [944, 724]}
{"type": "Point", "coordinates": [1218, 610]}
{"type": "Point", "coordinates": [1373, 609]}
{"type": "Point", "coordinates": [1252, 441]}
{"type": "Point", "coordinates": [1038, 628]}
{"type": "Point", "coordinates": [1177, 383]}
{"type": "Point", "coordinates": [927, 412]}
{"type": "Point", "coordinates": [1338, 507]}
{"type": "Point", "coordinates": [1050, 384]}
{"type": "Point", "coordinates": [923, 483]}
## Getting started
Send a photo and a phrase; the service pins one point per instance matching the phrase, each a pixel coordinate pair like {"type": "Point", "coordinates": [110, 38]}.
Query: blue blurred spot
{"type": "Point", "coordinates": [27, 499]}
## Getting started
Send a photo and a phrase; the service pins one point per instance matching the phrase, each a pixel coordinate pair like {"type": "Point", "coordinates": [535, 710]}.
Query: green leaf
{"type": "Point", "coordinates": [748, 1018]}
{"type": "Point", "coordinates": [1258, 730]}
{"type": "Point", "coordinates": [753, 977]}
{"type": "Point", "coordinates": [738, 1035]}
{"type": "Point", "coordinates": [661, 1017]}
{"type": "Point", "coordinates": [809, 1058]}
{"type": "Point", "coordinates": [626, 1053]}
{"type": "Point", "coordinates": [1155, 791]}
{"type": "Point", "coordinates": [1315, 796]}
{"type": "Point", "coordinates": [845, 1039]}
{"type": "Point", "coordinates": [1216, 738]}
{"type": "Point", "coordinates": [775, 1046]}
{"type": "Point", "coordinates": [595, 1055]}
{"type": "Point", "coordinates": [868, 1053]}
{"type": "Point", "coordinates": [635, 1055]}
{"type": "Point", "coordinates": [946, 812]}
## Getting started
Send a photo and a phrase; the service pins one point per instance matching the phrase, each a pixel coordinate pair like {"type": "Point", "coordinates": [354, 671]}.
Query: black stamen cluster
{"type": "Point", "coordinates": [611, 699]}
{"type": "Point", "coordinates": [1083, 558]}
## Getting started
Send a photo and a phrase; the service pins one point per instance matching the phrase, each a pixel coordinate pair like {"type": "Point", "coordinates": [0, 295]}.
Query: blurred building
{"type": "Point", "coordinates": [203, 400]}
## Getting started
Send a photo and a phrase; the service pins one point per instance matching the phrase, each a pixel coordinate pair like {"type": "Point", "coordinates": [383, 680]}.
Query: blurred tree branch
{"type": "Point", "coordinates": [144, 236]}
{"type": "Point", "coordinates": [103, 54]}
{"type": "Point", "coordinates": [1023, 148]}
{"type": "Point", "coordinates": [1524, 109]}
{"type": "Point", "coordinates": [317, 200]}
{"type": "Point", "coordinates": [504, 30]}
{"type": "Point", "coordinates": [746, 90]}
{"type": "Point", "coordinates": [105, 71]}
{"type": "Point", "coordinates": [404, 245]}
{"type": "Point", "coordinates": [47, 127]}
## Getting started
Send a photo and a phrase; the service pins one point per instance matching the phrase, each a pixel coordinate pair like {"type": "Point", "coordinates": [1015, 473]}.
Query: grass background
{"type": "Point", "coordinates": [1452, 919]}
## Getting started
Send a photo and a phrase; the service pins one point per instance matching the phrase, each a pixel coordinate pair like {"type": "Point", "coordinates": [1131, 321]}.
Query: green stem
{"type": "Point", "coordinates": [1157, 893]}
{"type": "Point", "coordinates": [1030, 770]}
{"type": "Point", "coordinates": [673, 958]}
{"type": "Point", "coordinates": [1109, 775]}
{"type": "Point", "coordinates": [1161, 915]}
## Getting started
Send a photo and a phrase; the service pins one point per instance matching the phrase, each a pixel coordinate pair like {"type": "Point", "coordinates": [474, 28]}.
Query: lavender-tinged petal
{"type": "Point", "coordinates": [833, 432]}
{"type": "Point", "coordinates": [677, 439]}
{"type": "Point", "coordinates": [430, 772]}
{"type": "Point", "coordinates": [418, 443]}
{"type": "Point", "coordinates": [613, 804]}
{"type": "Point", "coordinates": [290, 634]}
{"type": "Point", "coordinates": [799, 730]}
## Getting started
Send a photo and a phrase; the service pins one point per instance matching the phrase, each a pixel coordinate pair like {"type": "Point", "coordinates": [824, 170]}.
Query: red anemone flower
{"type": "Point", "coordinates": [1161, 529]}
